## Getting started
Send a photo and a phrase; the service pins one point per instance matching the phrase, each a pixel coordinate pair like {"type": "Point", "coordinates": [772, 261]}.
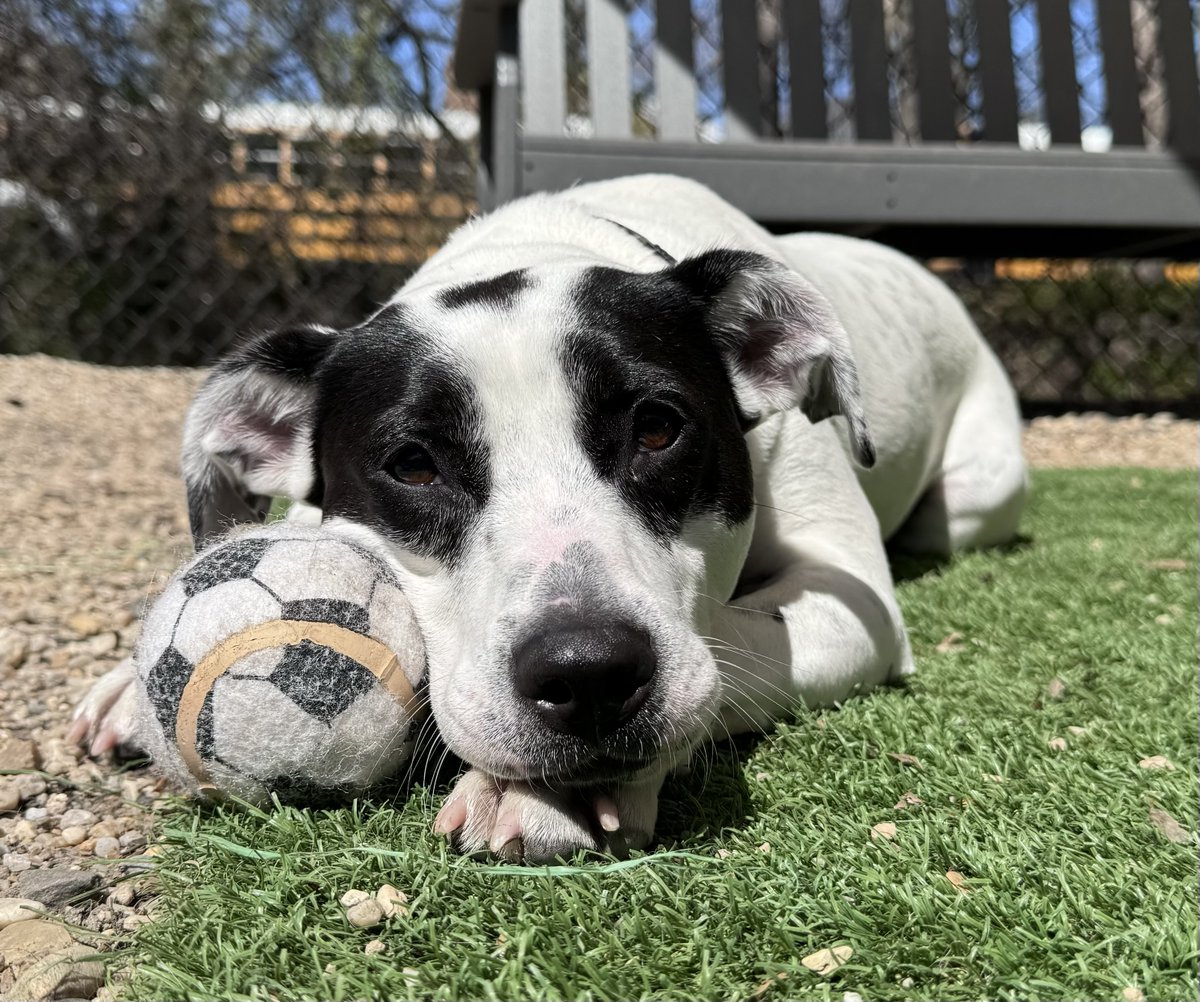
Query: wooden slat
{"type": "Point", "coordinates": [975, 191]}
{"type": "Point", "coordinates": [935, 89]}
{"type": "Point", "coordinates": [933, 200]}
{"type": "Point", "coordinates": [475, 43]}
{"type": "Point", "coordinates": [739, 30]}
{"type": "Point", "coordinates": [674, 73]}
{"type": "Point", "coordinates": [1176, 42]}
{"type": "Point", "coordinates": [806, 72]}
{"type": "Point", "coordinates": [1060, 86]}
{"type": "Point", "coordinates": [608, 68]}
{"type": "Point", "coordinates": [868, 50]}
{"type": "Point", "coordinates": [996, 71]}
{"type": "Point", "coordinates": [1120, 73]}
{"type": "Point", "coordinates": [500, 169]}
{"type": "Point", "coordinates": [543, 67]}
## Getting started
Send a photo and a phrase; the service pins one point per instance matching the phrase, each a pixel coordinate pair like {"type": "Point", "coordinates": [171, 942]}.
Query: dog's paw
{"type": "Point", "coordinates": [519, 822]}
{"type": "Point", "coordinates": [105, 718]}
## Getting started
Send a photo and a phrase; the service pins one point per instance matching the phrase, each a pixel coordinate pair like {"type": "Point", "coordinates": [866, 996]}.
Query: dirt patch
{"type": "Point", "coordinates": [1078, 440]}
{"type": "Point", "coordinates": [95, 521]}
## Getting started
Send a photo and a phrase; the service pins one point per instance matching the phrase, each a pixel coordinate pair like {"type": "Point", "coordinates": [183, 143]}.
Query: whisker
{"type": "Point", "coordinates": [740, 608]}
{"type": "Point", "coordinates": [807, 520]}
{"type": "Point", "coordinates": [766, 703]}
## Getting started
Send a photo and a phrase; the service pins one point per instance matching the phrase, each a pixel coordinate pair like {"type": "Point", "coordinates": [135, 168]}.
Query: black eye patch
{"type": "Point", "coordinates": [385, 387]}
{"type": "Point", "coordinates": [641, 337]}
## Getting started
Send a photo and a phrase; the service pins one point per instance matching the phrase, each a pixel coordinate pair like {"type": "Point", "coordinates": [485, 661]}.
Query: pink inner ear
{"type": "Point", "coordinates": [258, 439]}
{"type": "Point", "coordinates": [766, 356]}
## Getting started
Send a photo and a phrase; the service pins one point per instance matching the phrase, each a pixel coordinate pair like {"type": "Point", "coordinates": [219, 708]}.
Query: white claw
{"type": "Point", "coordinates": [606, 813]}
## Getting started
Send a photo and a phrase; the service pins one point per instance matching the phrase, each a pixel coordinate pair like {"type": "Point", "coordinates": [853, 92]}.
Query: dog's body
{"type": "Point", "coordinates": [583, 427]}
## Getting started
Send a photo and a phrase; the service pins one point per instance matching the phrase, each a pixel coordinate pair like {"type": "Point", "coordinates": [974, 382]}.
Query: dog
{"type": "Point", "coordinates": [636, 461]}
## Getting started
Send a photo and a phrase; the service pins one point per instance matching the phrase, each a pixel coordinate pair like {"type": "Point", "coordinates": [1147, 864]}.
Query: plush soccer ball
{"type": "Point", "coordinates": [282, 660]}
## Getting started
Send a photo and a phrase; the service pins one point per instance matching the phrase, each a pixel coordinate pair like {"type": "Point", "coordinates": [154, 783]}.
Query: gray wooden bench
{"type": "Point", "coordinates": [986, 197]}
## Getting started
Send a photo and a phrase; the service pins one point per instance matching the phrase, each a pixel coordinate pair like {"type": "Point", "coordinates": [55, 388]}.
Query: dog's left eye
{"type": "Point", "coordinates": [655, 427]}
{"type": "Point", "coordinates": [414, 466]}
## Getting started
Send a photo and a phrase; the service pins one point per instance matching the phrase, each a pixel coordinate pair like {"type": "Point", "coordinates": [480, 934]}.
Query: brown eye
{"type": "Point", "coordinates": [414, 466]}
{"type": "Point", "coordinates": [655, 428]}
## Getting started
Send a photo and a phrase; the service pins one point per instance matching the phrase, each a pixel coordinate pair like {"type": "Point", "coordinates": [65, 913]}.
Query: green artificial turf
{"type": "Point", "coordinates": [1069, 890]}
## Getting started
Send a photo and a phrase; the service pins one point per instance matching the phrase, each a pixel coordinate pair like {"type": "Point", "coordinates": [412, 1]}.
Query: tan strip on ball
{"type": "Point", "coordinates": [368, 652]}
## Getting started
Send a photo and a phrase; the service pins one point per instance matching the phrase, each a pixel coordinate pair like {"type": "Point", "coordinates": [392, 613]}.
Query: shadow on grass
{"type": "Point", "coordinates": [912, 566]}
{"type": "Point", "coordinates": [711, 797]}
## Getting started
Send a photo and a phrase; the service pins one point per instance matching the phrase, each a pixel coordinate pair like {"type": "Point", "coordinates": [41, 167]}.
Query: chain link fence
{"type": "Point", "coordinates": [175, 174]}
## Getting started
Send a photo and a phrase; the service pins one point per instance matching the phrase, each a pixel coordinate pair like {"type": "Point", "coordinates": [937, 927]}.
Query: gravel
{"type": "Point", "coordinates": [1079, 440]}
{"type": "Point", "coordinates": [95, 521]}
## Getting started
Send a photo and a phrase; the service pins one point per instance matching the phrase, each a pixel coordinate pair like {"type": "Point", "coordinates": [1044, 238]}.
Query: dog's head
{"type": "Point", "coordinates": [555, 461]}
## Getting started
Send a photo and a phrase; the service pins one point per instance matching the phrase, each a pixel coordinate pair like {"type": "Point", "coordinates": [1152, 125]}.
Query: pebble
{"type": "Point", "coordinates": [40, 612]}
{"type": "Point", "coordinates": [73, 835]}
{"type": "Point", "coordinates": [31, 939]}
{"type": "Point", "coordinates": [24, 831]}
{"type": "Point", "coordinates": [10, 797]}
{"type": "Point", "coordinates": [31, 786]}
{"type": "Point", "coordinates": [58, 757]}
{"type": "Point", "coordinates": [17, 753]}
{"type": "Point", "coordinates": [107, 847]}
{"type": "Point", "coordinates": [101, 644]}
{"type": "Point", "coordinates": [352, 898]}
{"type": "Point", "coordinates": [392, 901]}
{"type": "Point", "coordinates": [15, 862]}
{"type": "Point", "coordinates": [36, 814]}
{"type": "Point", "coordinates": [56, 885]}
{"type": "Point", "coordinates": [14, 647]}
{"type": "Point", "coordinates": [86, 624]}
{"type": "Point", "coordinates": [131, 923]}
{"type": "Point", "coordinates": [56, 804]}
{"type": "Point", "coordinates": [108, 828]}
{"type": "Point", "coordinates": [365, 914]}
{"type": "Point", "coordinates": [123, 894]}
{"type": "Point", "coordinates": [65, 973]}
{"type": "Point", "coordinates": [132, 840]}
{"type": "Point", "coordinates": [18, 910]}
{"type": "Point", "coordinates": [76, 818]}
{"type": "Point", "coordinates": [374, 947]}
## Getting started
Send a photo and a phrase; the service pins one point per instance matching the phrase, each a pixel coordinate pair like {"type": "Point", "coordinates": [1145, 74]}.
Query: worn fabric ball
{"type": "Point", "coordinates": [283, 660]}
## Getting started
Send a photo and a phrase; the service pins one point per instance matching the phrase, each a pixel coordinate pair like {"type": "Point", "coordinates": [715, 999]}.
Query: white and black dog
{"type": "Point", "coordinates": [591, 435]}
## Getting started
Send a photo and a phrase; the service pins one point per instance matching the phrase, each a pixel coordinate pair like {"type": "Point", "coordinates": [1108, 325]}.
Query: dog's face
{"type": "Point", "coordinates": [554, 459]}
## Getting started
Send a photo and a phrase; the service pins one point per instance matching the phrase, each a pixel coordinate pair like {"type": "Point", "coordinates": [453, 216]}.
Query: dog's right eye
{"type": "Point", "coordinates": [414, 466]}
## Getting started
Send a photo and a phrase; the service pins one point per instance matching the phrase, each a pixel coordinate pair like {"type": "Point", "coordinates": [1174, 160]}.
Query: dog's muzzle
{"type": "Point", "coordinates": [585, 679]}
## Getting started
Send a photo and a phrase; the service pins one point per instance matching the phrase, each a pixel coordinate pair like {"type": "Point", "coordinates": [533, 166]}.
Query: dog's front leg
{"type": "Point", "coordinates": [816, 636]}
{"type": "Point", "coordinates": [523, 822]}
{"type": "Point", "coordinates": [822, 622]}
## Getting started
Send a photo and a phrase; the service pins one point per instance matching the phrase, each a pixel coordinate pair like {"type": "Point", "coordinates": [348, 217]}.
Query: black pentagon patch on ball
{"type": "Point", "coordinates": [319, 680]}
{"type": "Point", "coordinates": [206, 743]}
{"type": "Point", "coordinates": [328, 610]}
{"type": "Point", "coordinates": [226, 563]}
{"type": "Point", "coordinates": [165, 682]}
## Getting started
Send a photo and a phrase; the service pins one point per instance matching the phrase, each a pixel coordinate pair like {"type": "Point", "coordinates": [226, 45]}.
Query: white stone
{"type": "Point", "coordinates": [365, 914]}
{"type": "Point", "coordinates": [107, 847]}
{"type": "Point", "coordinates": [19, 910]}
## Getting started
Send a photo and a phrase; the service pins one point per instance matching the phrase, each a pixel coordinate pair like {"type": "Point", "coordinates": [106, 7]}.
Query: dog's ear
{"type": "Point", "coordinates": [248, 433]}
{"type": "Point", "coordinates": [783, 345]}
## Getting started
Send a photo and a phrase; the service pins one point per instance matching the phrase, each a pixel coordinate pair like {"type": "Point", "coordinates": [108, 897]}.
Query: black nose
{"type": "Point", "coordinates": [585, 679]}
